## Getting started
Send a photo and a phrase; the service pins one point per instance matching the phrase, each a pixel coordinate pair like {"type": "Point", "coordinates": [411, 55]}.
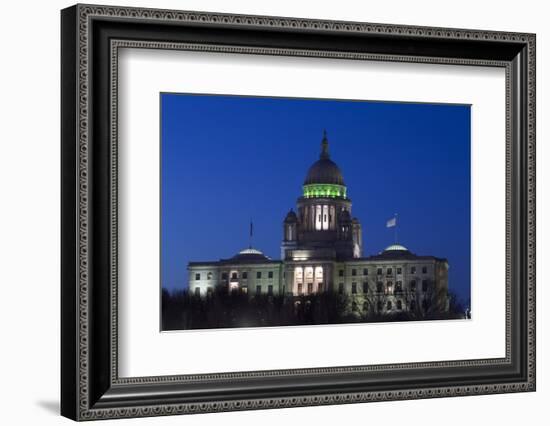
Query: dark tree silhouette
{"type": "Point", "coordinates": [222, 309]}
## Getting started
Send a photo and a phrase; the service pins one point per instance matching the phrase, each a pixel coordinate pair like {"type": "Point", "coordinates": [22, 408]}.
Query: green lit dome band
{"type": "Point", "coordinates": [324, 190]}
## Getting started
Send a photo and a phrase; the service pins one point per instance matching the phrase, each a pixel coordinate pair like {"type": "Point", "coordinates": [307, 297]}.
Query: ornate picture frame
{"type": "Point", "coordinates": [90, 39]}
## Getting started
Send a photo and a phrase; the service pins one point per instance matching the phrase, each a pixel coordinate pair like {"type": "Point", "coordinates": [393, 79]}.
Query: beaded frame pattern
{"type": "Point", "coordinates": [87, 12]}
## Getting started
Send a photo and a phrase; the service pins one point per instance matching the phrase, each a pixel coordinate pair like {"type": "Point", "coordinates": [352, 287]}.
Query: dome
{"type": "Point", "coordinates": [344, 216]}
{"type": "Point", "coordinates": [249, 255]}
{"type": "Point", "coordinates": [324, 170]}
{"type": "Point", "coordinates": [291, 217]}
{"type": "Point", "coordinates": [396, 247]}
{"type": "Point", "coordinates": [250, 250]}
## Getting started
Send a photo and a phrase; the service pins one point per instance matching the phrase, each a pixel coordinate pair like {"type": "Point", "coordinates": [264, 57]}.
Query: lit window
{"type": "Point", "coordinates": [389, 287]}
{"type": "Point", "coordinates": [318, 216]}
{"type": "Point", "coordinates": [319, 273]}
{"type": "Point", "coordinates": [197, 277]}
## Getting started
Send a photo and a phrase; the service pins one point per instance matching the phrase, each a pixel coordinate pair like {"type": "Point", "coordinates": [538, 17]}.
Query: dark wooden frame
{"type": "Point", "coordinates": [90, 386]}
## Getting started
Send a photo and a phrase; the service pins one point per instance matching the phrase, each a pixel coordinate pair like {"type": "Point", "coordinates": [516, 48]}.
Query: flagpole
{"type": "Point", "coordinates": [250, 235]}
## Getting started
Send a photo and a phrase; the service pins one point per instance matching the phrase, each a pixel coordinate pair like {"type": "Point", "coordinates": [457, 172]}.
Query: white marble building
{"type": "Point", "coordinates": [322, 251]}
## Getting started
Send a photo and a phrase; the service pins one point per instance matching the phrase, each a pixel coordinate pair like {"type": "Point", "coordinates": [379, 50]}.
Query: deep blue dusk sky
{"type": "Point", "coordinates": [229, 159]}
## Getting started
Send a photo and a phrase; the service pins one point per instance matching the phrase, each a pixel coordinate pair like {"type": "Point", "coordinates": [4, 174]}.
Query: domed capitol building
{"type": "Point", "coordinates": [322, 251]}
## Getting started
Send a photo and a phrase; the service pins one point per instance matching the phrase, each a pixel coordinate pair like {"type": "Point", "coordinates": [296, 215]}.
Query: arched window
{"type": "Point", "coordinates": [389, 287]}
{"type": "Point", "coordinates": [325, 217]}
{"type": "Point", "coordinates": [318, 218]}
{"type": "Point", "coordinates": [289, 234]}
{"type": "Point", "coordinates": [319, 278]}
{"type": "Point", "coordinates": [388, 306]}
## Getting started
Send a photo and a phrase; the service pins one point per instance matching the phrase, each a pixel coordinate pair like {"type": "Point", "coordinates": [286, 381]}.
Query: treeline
{"type": "Point", "coordinates": [184, 311]}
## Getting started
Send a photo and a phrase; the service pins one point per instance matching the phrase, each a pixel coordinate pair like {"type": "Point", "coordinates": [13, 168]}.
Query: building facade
{"type": "Point", "coordinates": [322, 251]}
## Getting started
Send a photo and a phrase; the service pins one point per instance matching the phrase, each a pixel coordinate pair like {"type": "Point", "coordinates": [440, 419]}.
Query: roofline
{"type": "Point", "coordinates": [410, 256]}
{"type": "Point", "coordinates": [222, 262]}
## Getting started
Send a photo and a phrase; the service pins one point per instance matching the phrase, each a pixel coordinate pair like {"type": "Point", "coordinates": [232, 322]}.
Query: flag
{"type": "Point", "coordinates": [391, 223]}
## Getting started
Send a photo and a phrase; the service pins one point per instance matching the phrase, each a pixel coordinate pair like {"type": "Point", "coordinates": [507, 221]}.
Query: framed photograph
{"type": "Point", "coordinates": [264, 212]}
